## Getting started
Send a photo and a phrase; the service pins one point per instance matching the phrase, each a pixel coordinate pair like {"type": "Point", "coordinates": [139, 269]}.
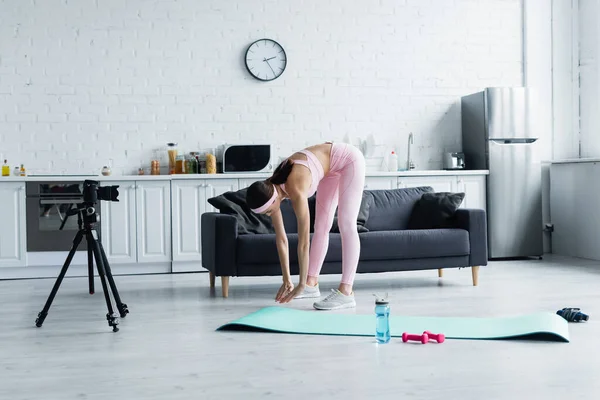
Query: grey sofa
{"type": "Point", "coordinates": [387, 246]}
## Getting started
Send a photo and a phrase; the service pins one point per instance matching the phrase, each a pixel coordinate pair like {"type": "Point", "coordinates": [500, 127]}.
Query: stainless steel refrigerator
{"type": "Point", "coordinates": [498, 135]}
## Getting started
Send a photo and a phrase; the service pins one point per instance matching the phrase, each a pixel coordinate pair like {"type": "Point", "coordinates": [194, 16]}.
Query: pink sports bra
{"type": "Point", "coordinates": [315, 167]}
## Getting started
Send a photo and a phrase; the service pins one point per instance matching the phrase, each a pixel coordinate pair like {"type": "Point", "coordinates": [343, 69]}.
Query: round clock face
{"type": "Point", "coordinates": [265, 59]}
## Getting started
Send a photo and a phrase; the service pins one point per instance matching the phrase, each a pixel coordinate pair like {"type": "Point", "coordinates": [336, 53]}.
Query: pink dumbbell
{"type": "Point", "coordinates": [424, 338]}
{"type": "Point", "coordinates": [438, 338]}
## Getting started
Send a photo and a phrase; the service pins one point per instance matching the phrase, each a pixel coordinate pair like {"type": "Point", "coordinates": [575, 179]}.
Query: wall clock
{"type": "Point", "coordinates": [265, 59]}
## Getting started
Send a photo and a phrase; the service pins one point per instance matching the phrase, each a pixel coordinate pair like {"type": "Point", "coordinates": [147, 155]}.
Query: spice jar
{"type": "Point", "coordinates": [211, 164]}
{"type": "Point", "coordinates": [201, 163]}
{"type": "Point", "coordinates": [172, 152]}
{"type": "Point", "coordinates": [180, 163]}
{"type": "Point", "coordinates": [191, 164]}
{"type": "Point", "coordinates": [154, 167]}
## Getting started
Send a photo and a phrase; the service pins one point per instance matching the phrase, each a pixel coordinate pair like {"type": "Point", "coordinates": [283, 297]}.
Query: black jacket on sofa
{"type": "Point", "coordinates": [388, 245]}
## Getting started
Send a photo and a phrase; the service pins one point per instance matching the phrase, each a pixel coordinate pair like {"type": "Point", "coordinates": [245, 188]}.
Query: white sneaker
{"type": "Point", "coordinates": [309, 292]}
{"type": "Point", "coordinates": [335, 301]}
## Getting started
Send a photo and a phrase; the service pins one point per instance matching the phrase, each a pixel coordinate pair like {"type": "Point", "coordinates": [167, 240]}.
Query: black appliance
{"type": "Point", "coordinates": [49, 228]}
{"type": "Point", "coordinates": [247, 158]}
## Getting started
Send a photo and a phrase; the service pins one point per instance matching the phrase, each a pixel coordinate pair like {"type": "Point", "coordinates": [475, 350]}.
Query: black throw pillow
{"type": "Point", "coordinates": [234, 203]}
{"type": "Point", "coordinates": [435, 210]}
{"type": "Point", "coordinates": [363, 215]}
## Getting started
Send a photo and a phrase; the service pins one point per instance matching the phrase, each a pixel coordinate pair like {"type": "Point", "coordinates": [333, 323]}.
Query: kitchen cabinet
{"type": "Point", "coordinates": [438, 183]}
{"type": "Point", "coordinates": [13, 243]}
{"type": "Point", "coordinates": [474, 187]}
{"type": "Point", "coordinates": [189, 202]}
{"type": "Point", "coordinates": [216, 187]}
{"type": "Point", "coordinates": [380, 182]}
{"type": "Point", "coordinates": [245, 182]}
{"type": "Point", "coordinates": [475, 191]}
{"type": "Point", "coordinates": [153, 217]}
{"type": "Point", "coordinates": [118, 225]}
{"type": "Point", "coordinates": [137, 228]}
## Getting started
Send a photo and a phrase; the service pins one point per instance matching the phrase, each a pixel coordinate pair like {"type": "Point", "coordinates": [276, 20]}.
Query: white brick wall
{"type": "Point", "coordinates": [84, 82]}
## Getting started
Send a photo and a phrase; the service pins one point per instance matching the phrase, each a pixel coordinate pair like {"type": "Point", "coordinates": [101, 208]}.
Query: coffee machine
{"type": "Point", "coordinates": [454, 161]}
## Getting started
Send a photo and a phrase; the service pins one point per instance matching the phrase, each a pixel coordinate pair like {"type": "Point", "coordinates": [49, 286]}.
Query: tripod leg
{"type": "Point", "coordinates": [90, 268]}
{"type": "Point", "coordinates": [122, 307]}
{"type": "Point", "coordinates": [42, 314]}
{"type": "Point", "coordinates": [64, 221]}
{"type": "Point", "coordinates": [111, 317]}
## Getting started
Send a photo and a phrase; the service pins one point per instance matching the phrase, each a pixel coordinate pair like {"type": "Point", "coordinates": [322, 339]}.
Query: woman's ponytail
{"type": "Point", "coordinates": [281, 173]}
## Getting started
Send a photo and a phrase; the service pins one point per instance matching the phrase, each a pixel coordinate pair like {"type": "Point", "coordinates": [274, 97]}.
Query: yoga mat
{"type": "Point", "coordinates": [539, 326]}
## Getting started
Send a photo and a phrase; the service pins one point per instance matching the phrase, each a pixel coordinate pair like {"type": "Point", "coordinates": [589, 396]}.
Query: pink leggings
{"type": "Point", "coordinates": [342, 187]}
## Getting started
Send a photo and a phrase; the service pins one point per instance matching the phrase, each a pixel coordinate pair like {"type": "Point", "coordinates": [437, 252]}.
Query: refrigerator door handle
{"type": "Point", "coordinates": [514, 141]}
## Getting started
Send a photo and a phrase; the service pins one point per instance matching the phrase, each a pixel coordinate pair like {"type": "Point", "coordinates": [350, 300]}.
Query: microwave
{"type": "Point", "coordinates": [248, 158]}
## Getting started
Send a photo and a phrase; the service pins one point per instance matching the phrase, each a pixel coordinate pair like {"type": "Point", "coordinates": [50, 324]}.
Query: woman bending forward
{"type": "Point", "coordinates": [336, 172]}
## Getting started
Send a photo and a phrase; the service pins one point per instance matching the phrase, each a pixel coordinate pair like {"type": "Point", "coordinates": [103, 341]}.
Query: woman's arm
{"type": "Point", "coordinates": [300, 204]}
{"type": "Point", "coordinates": [282, 245]}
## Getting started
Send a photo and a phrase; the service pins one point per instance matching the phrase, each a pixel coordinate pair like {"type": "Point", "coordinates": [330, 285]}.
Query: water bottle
{"type": "Point", "coordinates": [382, 324]}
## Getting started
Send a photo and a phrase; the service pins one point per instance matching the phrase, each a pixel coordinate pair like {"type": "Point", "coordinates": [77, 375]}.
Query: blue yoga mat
{"type": "Point", "coordinates": [538, 326]}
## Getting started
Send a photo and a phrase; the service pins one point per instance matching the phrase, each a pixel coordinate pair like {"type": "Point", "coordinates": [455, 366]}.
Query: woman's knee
{"type": "Point", "coordinates": [322, 226]}
{"type": "Point", "coordinates": [347, 225]}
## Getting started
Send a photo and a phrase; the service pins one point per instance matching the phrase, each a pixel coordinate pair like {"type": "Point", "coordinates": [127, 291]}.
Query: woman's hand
{"type": "Point", "coordinates": [290, 295]}
{"type": "Point", "coordinates": [284, 290]}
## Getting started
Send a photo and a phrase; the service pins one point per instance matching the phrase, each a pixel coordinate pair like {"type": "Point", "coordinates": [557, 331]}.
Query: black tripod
{"type": "Point", "coordinates": [86, 218]}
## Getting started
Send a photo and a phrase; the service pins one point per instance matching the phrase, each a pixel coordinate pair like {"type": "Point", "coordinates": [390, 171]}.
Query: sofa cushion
{"type": "Point", "coordinates": [435, 210]}
{"type": "Point", "coordinates": [389, 245]}
{"type": "Point", "coordinates": [234, 203]}
{"type": "Point", "coordinates": [391, 209]}
{"type": "Point", "coordinates": [261, 249]}
{"type": "Point", "coordinates": [363, 214]}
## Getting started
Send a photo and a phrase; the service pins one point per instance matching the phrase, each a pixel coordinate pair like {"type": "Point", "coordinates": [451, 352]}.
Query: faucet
{"type": "Point", "coordinates": [409, 164]}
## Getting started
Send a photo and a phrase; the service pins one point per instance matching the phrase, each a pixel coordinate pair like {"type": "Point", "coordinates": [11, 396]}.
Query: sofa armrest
{"type": "Point", "coordinates": [474, 221]}
{"type": "Point", "coordinates": [219, 237]}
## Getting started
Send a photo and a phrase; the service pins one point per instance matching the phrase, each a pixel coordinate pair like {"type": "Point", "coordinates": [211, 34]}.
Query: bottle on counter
{"type": "Point", "coordinates": [202, 164]}
{"type": "Point", "coordinates": [393, 165]}
{"type": "Point", "coordinates": [22, 171]}
{"type": "Point", "coordinates": [106, 170]}
{"type": "Point", "coordinates": [172, 152]}
{"type": "Point", "coordinates": [180, 163]}
{"type": "Point", "coordinates": [191, 164]}
{"type": "Point", "coordinates": [5, 168]}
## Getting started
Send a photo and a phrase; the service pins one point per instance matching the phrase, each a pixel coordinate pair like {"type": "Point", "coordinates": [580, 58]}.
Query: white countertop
{"type": "Point", "coordinates": [575, 161]}
{"type": "Point", "coordinates": [72, 178]}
